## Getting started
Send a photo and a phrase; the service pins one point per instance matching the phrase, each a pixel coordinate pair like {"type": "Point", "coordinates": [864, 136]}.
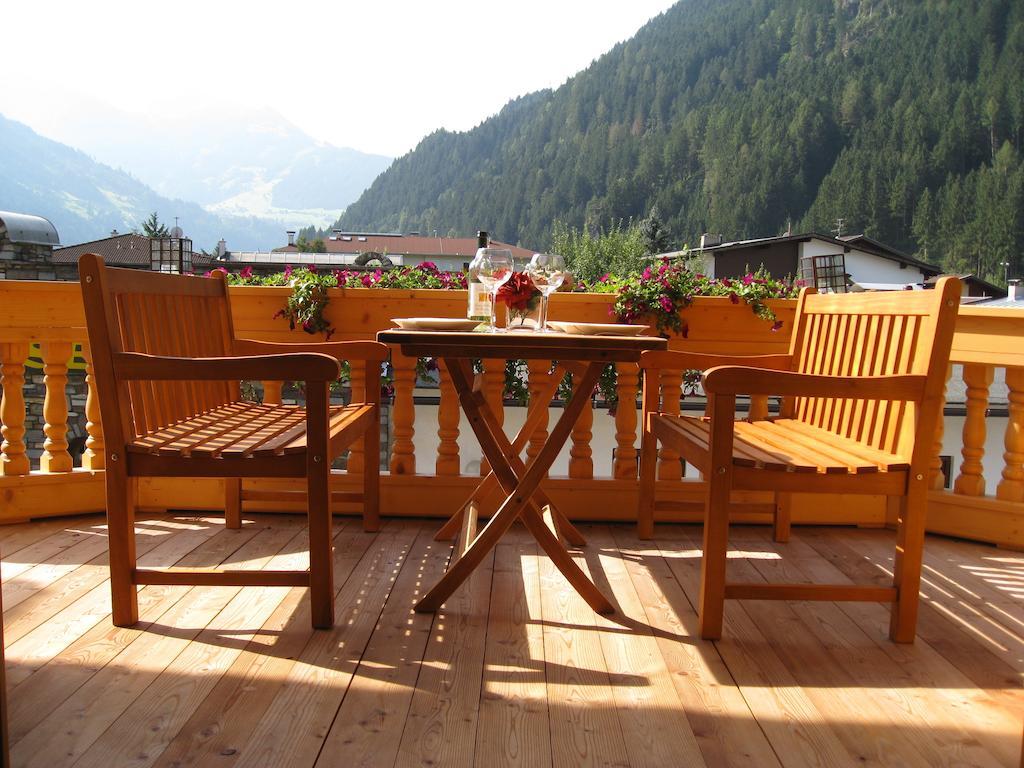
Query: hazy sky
{"type": "Point", "coordinates": [376, 76]}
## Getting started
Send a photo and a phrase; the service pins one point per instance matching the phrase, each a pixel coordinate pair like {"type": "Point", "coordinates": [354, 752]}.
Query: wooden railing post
{"type": "Point", "coordinates": [539, 371]}
{"type": "Point", "coordinates": [671, 388]}
{"type": "Point", "coordinates": [625, 466]}
{"type": "Point", "coordinates": [448, 461]}
{"type": "Point", "coordinates": [581, 461]}
{"type": "Point", "coordinates": [494, 385]}
{"type": "Point", "coordinates": [403, 415]}
{"type": "Point", "coordinates": [758, 408]}
{"type": "Point", "coordinates": [13, 459]}
{"type": "Point", "coordinates": [272, 392]}
{"type": "Point", "coordinates": [971, 480]}
{"type": "Point", "coordinates": [55, 456]}
{"type": "Point", "coordinates": [1011, 487]}
{"type": "Point", "coordinates": [935, 478]}
{"type": "Point", "coordinates": [357, 382]}
{"type": "Point", "coordinates": [93, 458]}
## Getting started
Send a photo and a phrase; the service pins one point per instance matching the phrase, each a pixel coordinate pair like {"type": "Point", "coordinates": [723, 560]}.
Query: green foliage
{"type": "Point", "coordinates": [620, 250]}
{"type": "Point", "coordinates": [153, 227]}
{"type": "Point", "coordinates": [735, 116]}
{"type": "Point", "coordinates": [310, 246]}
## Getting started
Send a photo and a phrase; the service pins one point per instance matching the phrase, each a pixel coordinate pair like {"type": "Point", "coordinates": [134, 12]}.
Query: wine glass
{"type": "Point", "coordinates": [493, 268]}
{"type": "Point", "coordinates": [547, 271]}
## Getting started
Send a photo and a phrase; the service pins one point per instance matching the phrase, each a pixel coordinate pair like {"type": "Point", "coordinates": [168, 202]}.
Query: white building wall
{"type": "Point", "coordinates": [865, 267]}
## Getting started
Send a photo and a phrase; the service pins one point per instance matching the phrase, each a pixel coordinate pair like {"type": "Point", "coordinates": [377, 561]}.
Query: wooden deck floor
{"type": "Point", "coordinates": [516, 670]}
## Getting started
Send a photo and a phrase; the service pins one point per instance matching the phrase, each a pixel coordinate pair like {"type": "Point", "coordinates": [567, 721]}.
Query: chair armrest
{"type": "Point", "coordinates": [735, 379]}
{"type": "Point", "coordinates": [298, 366]}
{"type": "Point", "coordinates": [371, 351]}
{"type": "Point", "coordinates": [701, 361]}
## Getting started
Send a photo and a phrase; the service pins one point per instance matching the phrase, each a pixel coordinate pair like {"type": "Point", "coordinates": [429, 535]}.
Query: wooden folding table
{"type": "Point", "coordinates": [584, 357]}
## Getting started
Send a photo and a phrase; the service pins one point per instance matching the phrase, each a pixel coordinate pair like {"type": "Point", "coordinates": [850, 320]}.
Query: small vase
{"type": "Point", "coordinates": [522, 319]}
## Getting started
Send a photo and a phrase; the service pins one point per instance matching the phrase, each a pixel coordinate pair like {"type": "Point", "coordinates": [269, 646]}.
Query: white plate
{"type": "Point", "coordinates": [599, 329]}
{"type": "Point", "coordinates": [435, 323]}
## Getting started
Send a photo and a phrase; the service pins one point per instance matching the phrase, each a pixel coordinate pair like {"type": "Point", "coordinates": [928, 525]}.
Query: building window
{"type": "Point", "coordinates": [827, 273]}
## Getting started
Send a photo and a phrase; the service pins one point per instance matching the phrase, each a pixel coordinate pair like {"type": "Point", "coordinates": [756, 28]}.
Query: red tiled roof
{"type": "Point", "coordinates": [408, 245]}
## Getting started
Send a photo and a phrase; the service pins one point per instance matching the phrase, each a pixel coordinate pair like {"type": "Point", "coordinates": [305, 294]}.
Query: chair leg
{"type": "Point", "coordinates": [783, 516]}
{"type": "Point", "coordinates": [121, 544]}
{"type": "Point", "coordinates": [321, 554]}
{"type": "Point", "coordinates": [712, 565]}
{"type": "Point", "coordinates": [233, 502]}
{"type": "Point", "coordinates": [371, 477]}
{"type": "Point", "coordinates": [907, 564]}
{"type": "Point", "coordinates": [648, 477]}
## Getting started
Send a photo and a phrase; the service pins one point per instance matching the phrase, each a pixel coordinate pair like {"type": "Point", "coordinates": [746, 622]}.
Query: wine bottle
{"type": "Point", "coordinates": [479, 308]}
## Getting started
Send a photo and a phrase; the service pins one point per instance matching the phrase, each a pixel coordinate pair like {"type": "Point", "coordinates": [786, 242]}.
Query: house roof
{"type": "Point", "coordinates": [129, 250]}
{"type": "Point", "coordinates": [406, 245]}
{"type": "Point", "coordinates": [860, 242]}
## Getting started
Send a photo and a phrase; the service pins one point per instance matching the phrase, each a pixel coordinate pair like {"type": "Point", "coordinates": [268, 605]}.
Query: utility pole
{"type": "Point", "coordinates": [838, 230]}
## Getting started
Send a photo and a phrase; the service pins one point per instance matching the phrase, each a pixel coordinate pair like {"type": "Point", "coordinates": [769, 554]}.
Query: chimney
{"type": "Point", "coordinates": [708, 240]}
{"type": "Point", "coordinates": [291, 236]}
{"type": "Point", "coordinates": [113, 233]}
{"type": "Point", "coordinates": [1014, 290]}
{"type": "Point", "coordinates": [222, 248]}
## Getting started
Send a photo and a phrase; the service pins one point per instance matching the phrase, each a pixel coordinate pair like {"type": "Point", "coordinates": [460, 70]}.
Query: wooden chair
{"type": "Point", "coordinates": [863, 390]}
{"type": "Point", "coordinates": [168, 367]}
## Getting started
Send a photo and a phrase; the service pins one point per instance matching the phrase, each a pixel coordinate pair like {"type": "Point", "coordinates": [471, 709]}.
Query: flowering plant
{"type": "Point", "coordinates": [519, 295]}
{"type": "Point", "coordinates": [659, 292]}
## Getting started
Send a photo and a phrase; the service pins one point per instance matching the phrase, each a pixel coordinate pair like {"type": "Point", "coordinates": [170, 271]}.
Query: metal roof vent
{"type": "Point", "coordinates": [31, 230]}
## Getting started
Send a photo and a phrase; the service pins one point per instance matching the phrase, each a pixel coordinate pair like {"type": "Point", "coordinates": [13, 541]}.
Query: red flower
{"type": "Point", "coordinates": [518, 293]}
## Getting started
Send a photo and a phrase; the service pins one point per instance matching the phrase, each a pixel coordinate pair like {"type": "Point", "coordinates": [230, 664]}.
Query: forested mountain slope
{"type": "Point", "coordinates": [904, 118]}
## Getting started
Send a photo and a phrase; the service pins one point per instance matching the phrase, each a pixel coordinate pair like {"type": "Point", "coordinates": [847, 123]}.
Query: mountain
{"type": "Point", "coordinates": [85, 199]}
{"type": "Point", "coordinates": [903, 118]}
{"type": "Point", "coordinates": [249, 162]}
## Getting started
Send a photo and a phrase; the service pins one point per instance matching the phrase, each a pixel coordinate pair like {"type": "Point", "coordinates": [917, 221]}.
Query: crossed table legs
{"type": "Point", "coordinates": [520, 483]}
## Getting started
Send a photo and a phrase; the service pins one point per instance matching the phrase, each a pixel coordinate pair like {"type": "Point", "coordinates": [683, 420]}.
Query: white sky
{"type": "Point", "coordinates": [376, 76]}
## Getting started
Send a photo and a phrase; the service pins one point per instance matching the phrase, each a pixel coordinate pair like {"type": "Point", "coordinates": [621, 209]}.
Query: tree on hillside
{"type": "Point", "coordinates": [310, 246]}
{"type": "Point", "coordinates": [153, 227]}
{"type": "Point", "coordinates": [656, 237]}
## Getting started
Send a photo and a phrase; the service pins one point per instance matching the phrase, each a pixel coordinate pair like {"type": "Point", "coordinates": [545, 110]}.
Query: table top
{"type": "Point", "coordinates": [528, 346]}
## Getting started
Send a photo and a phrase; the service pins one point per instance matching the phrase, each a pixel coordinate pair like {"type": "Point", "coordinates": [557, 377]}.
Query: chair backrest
{"type": "Point", "coordinates": [875, 334]}
{"type": "Point", "coordinates": [129, 310]}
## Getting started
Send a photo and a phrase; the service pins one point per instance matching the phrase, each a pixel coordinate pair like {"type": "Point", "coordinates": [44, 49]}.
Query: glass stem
{"type": "Point", "coordinates": [494, 311]}
{"type": "Point", "coordinates": [542, 320]}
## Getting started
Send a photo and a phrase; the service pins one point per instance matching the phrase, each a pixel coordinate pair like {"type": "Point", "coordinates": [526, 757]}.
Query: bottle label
{"type": "Point", "coordinates": [479, 303]}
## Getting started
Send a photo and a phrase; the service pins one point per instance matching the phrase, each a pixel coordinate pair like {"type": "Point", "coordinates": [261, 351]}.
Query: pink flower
{"type": "Point", "coordinates": [777, 325]}
{"type": "Point", "coordinates": [287, 271]}
{"type": "Point", "coordinates": [245, 273]}
{"type": "Point", "coordinates": [748, 279]}
{"type": "Point", "coordinates": [311, 268]}
{"type": "Point", "coordinates": [647, 273]}
{"type": "Point", "coordinates": [604, 277]}
{"type": "Point", "coordinates": [666, 304]}
{"type": "Point", "coordinates": [734, 298]}
{"type": "Point", "coordinates": [726, 282]}
{"type": "Point", "coordinates": [429, 266]}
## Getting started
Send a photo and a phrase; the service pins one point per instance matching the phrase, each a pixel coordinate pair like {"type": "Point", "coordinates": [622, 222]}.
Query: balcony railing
{"type": "Point", "coordinates": [986, 501]}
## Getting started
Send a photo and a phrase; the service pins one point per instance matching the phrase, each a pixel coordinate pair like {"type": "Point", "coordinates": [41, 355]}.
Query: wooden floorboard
{"type": "Point", "coordinates": [515, 670]}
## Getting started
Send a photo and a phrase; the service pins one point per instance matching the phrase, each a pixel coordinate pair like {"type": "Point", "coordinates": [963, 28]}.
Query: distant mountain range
{"type": "Point", "coordinates": [85, 199]}
{"type": "Point", "coordinates": [244, 177]}
{"type": "Point", "coordinates": [903, 119]}
{"type": "Point", "coordinates": [241, 162]}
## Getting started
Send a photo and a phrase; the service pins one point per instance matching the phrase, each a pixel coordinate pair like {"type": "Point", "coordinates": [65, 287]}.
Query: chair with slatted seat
{"type": "Point", "coordinates": [168, 370]}
{"type": "Point", "coordinates": [862, 392]}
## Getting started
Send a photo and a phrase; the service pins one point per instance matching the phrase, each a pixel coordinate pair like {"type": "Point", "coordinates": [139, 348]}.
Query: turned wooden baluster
{"type": "Point", "coordinates": [625, 421]}
{"type": "Point", "coordinates": [448, 461]}
{"type": "Point", "coordinates": [272, 392]}
{"type": "Point", "coordinates": [935, 478]}
{"type": "Point", "coordinates": [1011, 487]}
{"type": "Point", "coordinates": [403, 415]}
{"type": "Point", "coordinates": [494, 387]}
{"type": "Point", "coordinates": [55, 456]}
{"type": "Point", "coordinates": [13, 459]}
{"type": "Point", "coordinates": [539, 372]}
{"type": "Point", "coordinates": [971, 480]}
{"type": "Point", "coordinates": [357, 383]}
{"type": "Point", "coordinates": [93, 458]}
{"type": "Point", "coordinates": [669, 467]}
{"type": "Point", "coordinates": [758, 408]}
{"type": "Point", "coordinates": [581, 462]}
